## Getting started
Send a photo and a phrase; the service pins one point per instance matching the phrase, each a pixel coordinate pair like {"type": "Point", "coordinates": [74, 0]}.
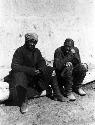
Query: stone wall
{"type": "Point", "coordinates": [52, 20]}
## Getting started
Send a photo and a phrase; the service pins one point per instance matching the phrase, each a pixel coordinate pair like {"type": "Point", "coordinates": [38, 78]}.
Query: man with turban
{"type": "Point", "coordinates": [29, 69]}
{"type": "Point", "coordinates": [69, 69]}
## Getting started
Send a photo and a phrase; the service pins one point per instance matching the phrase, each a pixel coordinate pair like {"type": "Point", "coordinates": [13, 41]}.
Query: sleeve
{"type": "Point", "coordinates": [41, 65]}
{"type": "Point", "coordinates": [60, 61]}
{"type": "Point", "coordinates": [17, 63]}
{"type": "Point", "coordinates": [76, 58]}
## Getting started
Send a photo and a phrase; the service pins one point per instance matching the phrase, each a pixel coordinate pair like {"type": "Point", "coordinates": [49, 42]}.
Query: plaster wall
{"type": "Point", "coordinates": [53, 21]}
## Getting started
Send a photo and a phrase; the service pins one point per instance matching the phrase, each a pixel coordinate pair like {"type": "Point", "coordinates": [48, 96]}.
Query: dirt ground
{"type": "Point", "coordinates": [44, 111]}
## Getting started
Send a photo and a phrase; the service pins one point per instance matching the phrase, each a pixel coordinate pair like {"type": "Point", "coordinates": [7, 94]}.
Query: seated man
{"type": "Point", "coordinates": [69, 69]}
{"type": "Point", "coordinates": [29, 69]}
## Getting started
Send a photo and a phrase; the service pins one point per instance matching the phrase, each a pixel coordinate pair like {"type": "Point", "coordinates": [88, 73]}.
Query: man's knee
{"type": "Point", "coordinates": [20, 78]}
{"type": "Point", "coordinates": [19, 74]}
{"type": "Point", "coordinates": [82, 69]}
{"type": "Point", "coordinates": [79, 73]}
{"type": "Point", "coordinates": [68, 71]}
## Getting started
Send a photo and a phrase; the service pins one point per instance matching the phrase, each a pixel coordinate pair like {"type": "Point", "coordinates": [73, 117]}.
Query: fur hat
{"type": "Point", "coordinates": [30, 36]}
{"type": "Point", "coordinates": [69, 42]}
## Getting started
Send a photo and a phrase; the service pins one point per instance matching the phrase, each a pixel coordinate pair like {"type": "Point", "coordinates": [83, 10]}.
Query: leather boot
{"type": "Point", "coordinates": [22, 103]}
{"type": "Point", "coordinates": [49, 92]}
{"type": "Point", "coordinates": [71, 97]}
{"type": "Point", "coordinates": [80, 91]}
{"type": "Point", "coordinates": [56, 91]}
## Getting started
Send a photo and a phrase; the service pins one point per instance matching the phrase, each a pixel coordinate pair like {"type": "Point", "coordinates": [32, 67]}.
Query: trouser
{"type": "Point", "coordinates": [39, 82]}
{"type": "Point", "coordinates": [71, 77]}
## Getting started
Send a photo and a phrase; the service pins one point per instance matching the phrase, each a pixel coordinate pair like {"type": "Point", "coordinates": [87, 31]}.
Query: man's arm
{"type": "Point", "coordinates": [17, 63]}
{"type": "Point", "coordinates": [60, 61]}
{"type": "Point", "coordinates": [41, 65]}
{"type": "Point", "coordinates": [76, 56]}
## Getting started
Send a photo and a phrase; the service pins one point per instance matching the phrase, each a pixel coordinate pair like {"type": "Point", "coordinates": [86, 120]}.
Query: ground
{"type": "Point", "coordinates": [44, 111]}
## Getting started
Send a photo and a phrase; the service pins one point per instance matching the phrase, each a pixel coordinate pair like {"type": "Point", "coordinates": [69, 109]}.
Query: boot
{"type": "Point", "coordinates": [71, 97]}
{"type": "Point", "coordinates": [24, 107]}
{"type": "Point", "coordinates": [81, 92]}
{"type": "Point", "coordinates": [49, 92]}
{"type": "Point", "coordinates": [68, 90]}
{"type": "Point", "coordinates": [21, 95]}
{"type": "Point", "coordinates": [57, 94]}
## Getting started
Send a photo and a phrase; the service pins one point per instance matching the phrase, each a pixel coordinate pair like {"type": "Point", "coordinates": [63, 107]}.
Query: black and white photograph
{"type": "Point", "coordinates": [47, 62]}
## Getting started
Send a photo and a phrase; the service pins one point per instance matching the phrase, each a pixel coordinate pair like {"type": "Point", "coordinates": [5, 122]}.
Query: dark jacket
{"type": "Point", "coordinates": [27, 61]}
{"type": "Point", "coordinates": [60, 59]}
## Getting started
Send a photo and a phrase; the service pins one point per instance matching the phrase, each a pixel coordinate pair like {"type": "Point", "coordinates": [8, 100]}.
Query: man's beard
{"type": "Point", "coordinates": [31, 48]}
{"type": "Point", "coordinates": [66, 52]}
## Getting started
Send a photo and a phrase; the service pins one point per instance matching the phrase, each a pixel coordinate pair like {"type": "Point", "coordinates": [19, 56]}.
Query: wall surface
{"type": "Point", "coordinates": [53, 21]}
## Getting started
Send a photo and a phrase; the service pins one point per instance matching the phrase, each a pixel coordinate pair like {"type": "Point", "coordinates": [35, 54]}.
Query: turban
{"type": "Point", "coordinates": [31, 36]}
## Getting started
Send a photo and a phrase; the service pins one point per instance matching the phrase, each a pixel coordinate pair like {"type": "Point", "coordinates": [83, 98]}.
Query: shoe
{"type": "Point", "coordinates": [49, 92]}
{"type": "Point", "coordinates": [71, 97]}
{"type": "Point", "coordinates": [60, 98]}
{"type": "Point", "coordinates": [81, 92]}
{"type": "Point", "coordinates": [43, 93]}
{"type": "Point", "coordinates": [24, 108]}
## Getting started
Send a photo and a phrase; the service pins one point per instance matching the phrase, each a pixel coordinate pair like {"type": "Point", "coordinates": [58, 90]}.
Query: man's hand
{"type": "Point", "coordinates": [73, 51]}
{"type": "Point", "coordinates": [68, 64]}
{"type": "Point", "coordinates": [54, 73]}
{"type": "Point", "coordinates": [37, 72]}
{"type": "Point", "coordinates": [85, 65]}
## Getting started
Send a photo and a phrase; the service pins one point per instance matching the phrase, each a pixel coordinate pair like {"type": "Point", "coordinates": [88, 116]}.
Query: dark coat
{"type": "Point", "coordinates": [60, 59]}
{"type": "Point", "coordinates": [27, 61]}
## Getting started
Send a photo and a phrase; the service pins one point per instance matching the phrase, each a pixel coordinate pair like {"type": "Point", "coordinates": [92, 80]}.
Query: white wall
{"type": "Point", "coordinates": [52, 20]}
